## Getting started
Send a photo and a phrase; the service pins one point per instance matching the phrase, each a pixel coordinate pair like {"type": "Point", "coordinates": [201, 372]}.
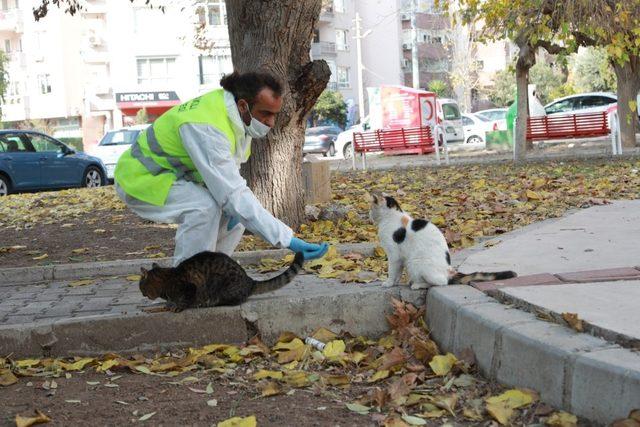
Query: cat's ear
{"type": "Point", "coordinates": [373, 198]}
{"type": "Point", "coordinates": [155, 265]}
{"type": "Point", "coordinates": [143, 272]}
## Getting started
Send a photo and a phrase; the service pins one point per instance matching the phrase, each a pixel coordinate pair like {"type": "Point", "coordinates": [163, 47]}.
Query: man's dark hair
{"type": "Point", "coordinates": [247, 85]}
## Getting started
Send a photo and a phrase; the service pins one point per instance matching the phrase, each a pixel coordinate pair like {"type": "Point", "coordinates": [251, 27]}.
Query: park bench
{"type": "Point", "coordinates": [418, 140]}
{"type": "Point", "coordinates": [567, 126]}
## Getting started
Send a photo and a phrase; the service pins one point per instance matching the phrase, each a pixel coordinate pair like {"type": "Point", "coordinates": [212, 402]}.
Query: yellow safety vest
{"type": "Point", "coordinates": [148, 169]}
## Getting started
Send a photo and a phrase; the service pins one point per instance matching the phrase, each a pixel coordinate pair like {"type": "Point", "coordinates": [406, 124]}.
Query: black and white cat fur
{"type": "Point", "coordinates": [420, 247]}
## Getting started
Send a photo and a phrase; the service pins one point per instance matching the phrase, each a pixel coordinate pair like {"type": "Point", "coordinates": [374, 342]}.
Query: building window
{"type": "Point", "coordinates": [343, 77]}
{"type": "Point", "coordinates": [7, 46]}
{"type": "Point", "coordinates": [216, 13]}
{"type": "Point", "coordinates": [213, 67]}
{"type": "Point", "coordinates": [338, 6]}
{"type": "Point", "coordinates": [156, 71]}
{"type": "Point", "coordinates": [5, 4]}
{"type": "Point", "coordinates": [341, 40]}
{"type": "Point", "coordinates": [44, 82]}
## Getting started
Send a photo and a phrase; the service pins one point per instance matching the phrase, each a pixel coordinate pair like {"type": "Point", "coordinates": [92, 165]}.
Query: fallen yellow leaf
{"type": "Point", "coordinates": [500, 411]}
{"type": "Point", "coordinates": [574, 321]}
{"type": "Point", "coordinates": [562, 419]}
{"type": "Point", "coordinates": [276, 375]}
{"type": "Point", "coordinates": [532, 195]}
{"type": "Point", "coordinates": [40, 418]}
{"type": "Point", "coordinates": [38, 258]}
{"type": "Point", "coordinates": [379, 375]}
{"type": "Point", "coordinates": [133, 278]}
{"type": "Point", "coordinates": [441, 365]}
{"type": "Point", "coordinates": [7, 378]}
{"type": "Point", "coordinates": [514, 398]}
{"type": "Point", "coordinates": [80, 251]}
{"type": "Point", "coordinates": [83, 282]}
{"type": "Point", "coordinates": [334, 349]}
{"type": "Point", "coordinates": [239, 422]}
{"type": "Point", "coordinates": [270, 389]}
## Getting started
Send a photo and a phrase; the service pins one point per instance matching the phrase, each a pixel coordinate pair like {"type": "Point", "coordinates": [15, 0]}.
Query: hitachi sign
{"type": "Point", "coordinates": [146, 96]}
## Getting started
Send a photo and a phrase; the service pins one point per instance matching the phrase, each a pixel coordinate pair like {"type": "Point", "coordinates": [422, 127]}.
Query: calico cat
{"type": "Point", "coordinates": [208, 279]}
{"type": "Point", "coordinates": [420, 247]}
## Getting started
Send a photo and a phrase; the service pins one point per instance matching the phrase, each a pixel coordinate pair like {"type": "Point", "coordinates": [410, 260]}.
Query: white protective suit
{"type": "Point", "coordinates": [203, 212]}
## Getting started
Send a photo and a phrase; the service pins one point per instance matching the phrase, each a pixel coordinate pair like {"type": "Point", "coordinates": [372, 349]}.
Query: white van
{"type": "Point", "coordinates": [450, 118]}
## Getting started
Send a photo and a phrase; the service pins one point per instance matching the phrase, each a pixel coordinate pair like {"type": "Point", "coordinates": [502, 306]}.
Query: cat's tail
{"type": "Point", "coordinates": [480, 276]}
{"type": "Point", "coordinates": [260, 287]}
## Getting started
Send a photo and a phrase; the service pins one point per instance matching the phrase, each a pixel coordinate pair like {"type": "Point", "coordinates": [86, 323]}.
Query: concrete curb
{"type": "Point", "coordinates": [358, 309]}
{"type": "Point", "coordinates": [580, 373]}
{"type": "Point", "coordinates": [21, 275]}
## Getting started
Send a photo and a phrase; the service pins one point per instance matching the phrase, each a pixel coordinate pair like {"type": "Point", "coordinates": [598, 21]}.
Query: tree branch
{"type": "Point", "coordinates": [550, 47]}
{"type": "Point", "coordinates": [309, 84]}
{"type": "Point", "coordinates": [583, 39]}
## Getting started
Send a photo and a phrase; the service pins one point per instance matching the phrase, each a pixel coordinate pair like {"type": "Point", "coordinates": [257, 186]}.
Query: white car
{"type": "Point", "coordinates": [114, 143]}
{"type": "Point", "coordinates": [475, 130]}
{"type": "Point", "coordinates": [591, 102]}
{"type": "Point", "coordinates": [495, 117]}
{"type": "Point", "coordinates": [345, 140]}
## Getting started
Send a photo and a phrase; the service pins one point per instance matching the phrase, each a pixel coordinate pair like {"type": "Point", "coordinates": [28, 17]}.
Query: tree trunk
{"type": "Point", "coordinates": [628, 76]}
{"type": "Point", "coordinates": [275, 36]}
{"type": "Point", "coordinates": [526, 60]}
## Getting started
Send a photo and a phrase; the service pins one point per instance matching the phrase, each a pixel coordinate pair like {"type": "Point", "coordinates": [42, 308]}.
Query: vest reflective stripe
{"type": "Point", "coordinates": [148, 162]}
{"type": "Point", "coordinates": [182, 171]}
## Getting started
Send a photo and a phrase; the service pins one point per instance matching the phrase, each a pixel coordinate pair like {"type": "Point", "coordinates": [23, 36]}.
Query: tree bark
{"type": "Point", "coordinates": [275, 36]}
{"type": "Point", "coordinates": [526, 60]}
{"type": "Point", "coordinates": [628, 77]}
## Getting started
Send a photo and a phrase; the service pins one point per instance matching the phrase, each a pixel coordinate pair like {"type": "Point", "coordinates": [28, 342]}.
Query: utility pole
{"type": "Point", "coordinates": [359, 37]}
{"type": "Point", "coordinates": [414, 46]}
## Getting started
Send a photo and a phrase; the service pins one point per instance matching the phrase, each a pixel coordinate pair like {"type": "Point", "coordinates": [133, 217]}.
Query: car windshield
{"type": "Point", "coordinates": [120, 137]}
{"type": "Point", "coordinates": [488, 116]}
{"type": "Point", "coordinates": [450, 111]}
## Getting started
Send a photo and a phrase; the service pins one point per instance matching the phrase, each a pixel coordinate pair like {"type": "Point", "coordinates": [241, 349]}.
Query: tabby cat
{"type": "Point", "coordinates": [420, 247]}
{"type": "Point", "coordinates": [209, 279]}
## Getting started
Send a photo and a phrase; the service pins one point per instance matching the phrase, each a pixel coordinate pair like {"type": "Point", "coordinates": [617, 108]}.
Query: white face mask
{"type": "Point", "coordinates": [255, 128]}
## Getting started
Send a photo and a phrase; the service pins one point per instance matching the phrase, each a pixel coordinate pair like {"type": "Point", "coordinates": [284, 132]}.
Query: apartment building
{"type": "Point", "coordinates": [43, 66]}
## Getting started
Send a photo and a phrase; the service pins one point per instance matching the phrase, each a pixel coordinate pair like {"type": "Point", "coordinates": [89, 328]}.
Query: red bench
{"type": "Point", "coordinates": [568, 126]}
{"type": "Point", "coordinates": [409, 140]}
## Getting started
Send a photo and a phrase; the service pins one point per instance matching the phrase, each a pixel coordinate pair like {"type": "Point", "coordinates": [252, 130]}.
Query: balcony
{"type": "Point", "coordinates": [11, 21]}
{"type": "Point", "coordinates": [320, 49]}
{"type": "Point", "coordinates": [15, 108]}
{"type": "Point", "coordinates": [332, 86]}
{"type": "Point", "coordinates": [326, 15]}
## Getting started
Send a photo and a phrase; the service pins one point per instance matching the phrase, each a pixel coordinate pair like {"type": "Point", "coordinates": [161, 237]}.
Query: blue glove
{"type": "Point", "coordinates": [233, 221]}
{"type": "Point", "coordinates": [309, 250]}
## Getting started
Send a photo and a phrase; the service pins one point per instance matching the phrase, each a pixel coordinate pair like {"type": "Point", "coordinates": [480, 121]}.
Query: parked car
{"type": "Point", "coordinates": [321, 139]}
{"type": "Point", "coordinates": [495, 117]}
{"type": "Point", "coordinates": [475, 129]}
{"type": "Point", "coordinates": [31, 160]}
{"type": "Point", "coordinates": [449, 116]}
{"type": "Point", "coordinates": [114, 143]}
{"type": "Point", "coordinates": [345, 138]}
{"type": "Point", "coordinates": [581, 103]}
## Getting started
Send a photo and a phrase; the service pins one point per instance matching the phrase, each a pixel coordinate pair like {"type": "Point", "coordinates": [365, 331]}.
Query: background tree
{"type": "Point", "coordinates": [549, 80]}
{"type": "Point", "coordinates": [4, 79]}
{"type": "Point", "coordinates": [591, 71]}
{"type": "Point", "coordinates": [142, 117]}
{"type": "Point", "coordinates": [439, 87]}
{"type": "Point", "coordinates": [330, 107]}
{"type": "Point", "coordinates": [503, 92]}
{"type": "Point", "coordinates": [530, 24]}
{"type": "Point", "coordinates": [615, 26]}
{"type": "Point", "coordinates": [464, 75]}
{"type": "Point", "coordinates": [273, 36]}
